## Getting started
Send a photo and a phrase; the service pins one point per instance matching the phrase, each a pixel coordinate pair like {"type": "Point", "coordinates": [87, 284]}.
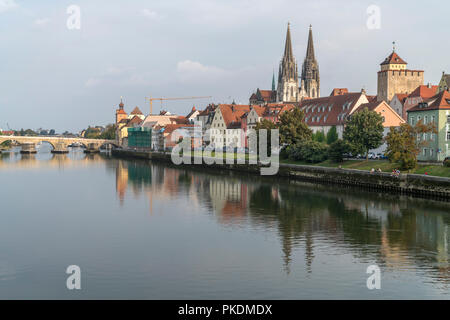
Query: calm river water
{"type": "Point", "coordinates": [149, 231]}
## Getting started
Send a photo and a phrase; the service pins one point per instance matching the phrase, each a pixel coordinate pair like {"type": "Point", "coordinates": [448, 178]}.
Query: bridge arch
{"type": "Point", "coordinates": [50, 143]}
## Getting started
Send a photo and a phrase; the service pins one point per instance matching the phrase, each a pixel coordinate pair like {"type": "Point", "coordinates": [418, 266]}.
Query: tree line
{"type": "Point", "coordinates": [363, 132]}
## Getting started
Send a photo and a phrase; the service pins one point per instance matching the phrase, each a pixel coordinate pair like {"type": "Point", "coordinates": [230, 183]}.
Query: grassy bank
{"type": "Point", "coordinates": [384, 165]}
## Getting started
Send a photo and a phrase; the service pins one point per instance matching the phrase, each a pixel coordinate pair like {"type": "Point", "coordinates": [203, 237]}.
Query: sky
{"type": "Point", "coordinates": [53, 76]}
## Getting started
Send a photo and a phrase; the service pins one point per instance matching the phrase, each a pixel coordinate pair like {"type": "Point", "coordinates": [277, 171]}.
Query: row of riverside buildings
{"type": "Point", "coordinates": [401, 97]}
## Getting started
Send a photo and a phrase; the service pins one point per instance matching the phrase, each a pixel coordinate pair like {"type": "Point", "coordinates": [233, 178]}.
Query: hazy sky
{"type": "Point", "coordinates": [53, 77]}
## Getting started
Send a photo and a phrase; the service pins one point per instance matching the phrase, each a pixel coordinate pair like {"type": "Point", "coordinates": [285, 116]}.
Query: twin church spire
{"type": "Point", "coordinates": [289, 89]}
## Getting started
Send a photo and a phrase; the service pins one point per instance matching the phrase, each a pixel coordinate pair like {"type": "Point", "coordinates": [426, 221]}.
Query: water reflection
{"type": "Point", "coordinates": [210, 234]}
{"type": "Point", "coordinates": [42, 159]}
{"type": "Point", "coordinates": [397, 232]}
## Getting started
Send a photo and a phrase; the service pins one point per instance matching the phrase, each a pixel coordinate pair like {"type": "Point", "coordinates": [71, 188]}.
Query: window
{"type": "Point", "coordinates": [432, 119]}
{"type": "Point", "coordinates": [448, 135]}
{"type": "Point", "coordinates": [448, 118]}
{"type": "Point", "coordinates": [425, 120]}
{"type": "Point", "coordinates": [412, 121]}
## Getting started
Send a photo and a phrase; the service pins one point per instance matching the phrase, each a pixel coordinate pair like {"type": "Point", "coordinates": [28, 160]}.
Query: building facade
{"type": "Point", "coordinates": [226, 127]}
{"type": "Point", "coordinates": [444, 83]}
{"type": "Point", "coordinates": [433, 110]}
{"type": "Point", "coordinates": [394, 78]}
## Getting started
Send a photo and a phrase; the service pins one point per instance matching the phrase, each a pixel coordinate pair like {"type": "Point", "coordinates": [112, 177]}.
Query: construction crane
{"type": "Point", "coordinates": [181, 98]}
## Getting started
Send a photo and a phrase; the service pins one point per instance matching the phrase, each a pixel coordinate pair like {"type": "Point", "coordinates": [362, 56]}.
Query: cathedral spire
{"type": "Point", "coordinates": [287, 90]}
{"type": "Point", "coordinates": [310, 72]}
{"type": "Point", "coordinates": [273, 81]}
{"type": "Point", "coordinates": [288, 46]}
{"type": "Point", "coordinates": [310, 48]}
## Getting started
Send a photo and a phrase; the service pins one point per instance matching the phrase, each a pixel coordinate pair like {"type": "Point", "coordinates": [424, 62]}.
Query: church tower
{"type": "Point", "coordinates": [287, 90]}
{"type": "Point", "coordinates": [120, 113]}
{"type": "Point", "coordinates": [310, 80]}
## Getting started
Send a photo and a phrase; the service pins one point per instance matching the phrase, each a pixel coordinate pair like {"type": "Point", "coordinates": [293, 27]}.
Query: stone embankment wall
{"type": "Point", "coordinates": [412, 184]}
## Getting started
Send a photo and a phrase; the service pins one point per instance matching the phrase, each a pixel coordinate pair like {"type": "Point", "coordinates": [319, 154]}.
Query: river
{"type": "Point", "coordinates": [150, 231]}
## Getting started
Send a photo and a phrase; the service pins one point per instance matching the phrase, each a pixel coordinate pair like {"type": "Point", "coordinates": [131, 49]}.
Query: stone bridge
{"type": "Point", "coordinates": [59, 144]}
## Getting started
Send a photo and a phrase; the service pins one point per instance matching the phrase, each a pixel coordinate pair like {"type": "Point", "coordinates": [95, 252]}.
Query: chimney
{"type": "Point", "coordinates": [363, 91]}
{"type": "Point", "coordinates": [429, 85]}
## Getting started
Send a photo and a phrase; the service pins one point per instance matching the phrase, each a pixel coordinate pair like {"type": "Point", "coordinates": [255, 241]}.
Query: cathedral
{"type": "Point", "coordinates": [290, 88]}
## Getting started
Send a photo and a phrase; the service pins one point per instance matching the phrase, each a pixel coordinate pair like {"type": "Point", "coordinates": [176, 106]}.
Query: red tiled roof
{"type": "Point", "coordinates": [424, 91]}
{"type": "Point", "coordinates": [401, 97]}
{"type": "Point", "coordinates": [439, 101]}
{"type": "Point", "coordinates": [331, 110]}
{"type": "Point", "coordinates": [207, 110]}
{"type": "Point", "coordinates": [371, 106]}
{"type": "Point", "coordinates": [136, 111]}
{"type": "Point", "coordinates": [179, 120]}
{"type": "Point", "coordinates": [259, 110]}
{"type": "Point", "coordinates": [393, 58]}
{"type": "Point", "coordinates": [232, 114]}
{"type": "Point", "coordinates": [169, 128]}
{"type": "Point", "coordinates": [134, 121]}
{"type": "Point", "coordinates": [266, 94]}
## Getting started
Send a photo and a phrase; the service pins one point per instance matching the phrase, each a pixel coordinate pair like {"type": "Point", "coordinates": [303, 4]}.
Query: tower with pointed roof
{"type": "Point", "coordinates": [120, 113]}
{"type": "Point", "coordinates": [273, 82]}
{"type": "Point", "coordinates": [288, 90]}
{"type": "Point", "coordinates": [394, 77]}
{"type": "Point", "coordinates": [310, 79]}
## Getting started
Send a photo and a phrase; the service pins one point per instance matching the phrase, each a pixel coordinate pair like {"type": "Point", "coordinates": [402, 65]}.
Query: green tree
{"type": "Point", "coordinates": [337, 150]}
{"type": "Point", "coordinates": [319, 136]}
{"type": "Point", "coordinates": [364, 131]}
{"type": "Point", "coordinates": [292, 127]}
{"type": "Point", "coordinates": [332, 135]}
{"type": "Point", "coordinates": [309, 151]}
{"type": "Point", "coordinates": [404, 143]}
{"type": "Point", "coordinates": [109, 133]}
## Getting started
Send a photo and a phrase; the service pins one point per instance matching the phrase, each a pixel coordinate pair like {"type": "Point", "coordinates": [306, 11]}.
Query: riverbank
{"type": "Point", "coordinates": [411, 184]}
{"type": "Point", "coordinates": [430, 169]}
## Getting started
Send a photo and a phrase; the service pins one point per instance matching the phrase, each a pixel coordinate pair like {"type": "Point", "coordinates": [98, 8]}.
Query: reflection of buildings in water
{"type": "Point", "coordinates": [121, 181]}
{"type": "Point", "coordinates": [229, 199]}
{"type": "Point", "coordinates": [369, 225]}
{"type": "Point", "coordinates": [157, 181]}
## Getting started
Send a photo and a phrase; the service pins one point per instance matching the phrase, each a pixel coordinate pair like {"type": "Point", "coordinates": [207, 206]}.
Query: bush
{"type": "Point", "coordinates": [447, 162]}
{"type": "Point", "coordinates": [332, 135]}
{"type": "Point", "coordinates": [337, 150]}
{"type": "Point", "coordinates": [309, 151]}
